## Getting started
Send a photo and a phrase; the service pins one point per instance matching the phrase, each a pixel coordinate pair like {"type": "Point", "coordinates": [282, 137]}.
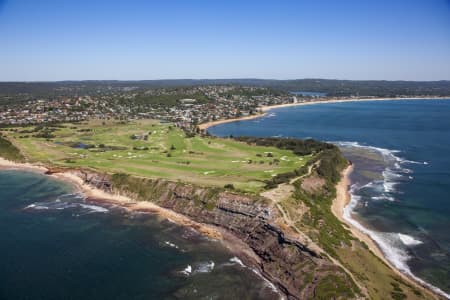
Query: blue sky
{"type": "Point", "coordinates": [136, 39]}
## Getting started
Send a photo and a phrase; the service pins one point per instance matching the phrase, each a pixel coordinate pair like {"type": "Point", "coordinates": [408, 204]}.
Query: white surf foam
{"type": "Point", "coordinates": [187, 271]}
{"type": "Point", "coordinates": [237, 261]}
{"type": "Point", "coordinates": [393, 174]}
{"type": "Point", "coordinates": [37, 206]}
{"type": "Point", "coordinates": [383, 197]}
{"type": "Point", "coordinates": [268, 283]}
{"type": "Point", "coordinates": [171, 244]}
{"type": "Point", "coordinates": [393, 245]}
{"type": "Point", "coordinates": [94, 208]}
{"type": "Point", "coordinates": [61, 204]}
{"type": "Point", "coordinates": [409, 240]}
{"type": "Point", "coordinates": [205, 267]}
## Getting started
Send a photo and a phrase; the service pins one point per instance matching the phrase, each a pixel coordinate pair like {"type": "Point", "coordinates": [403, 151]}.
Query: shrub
{"type": "Point", "coordinates": [9, 151]}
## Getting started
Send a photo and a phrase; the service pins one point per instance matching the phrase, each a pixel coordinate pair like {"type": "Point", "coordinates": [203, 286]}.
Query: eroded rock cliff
{"type": "Point", "coordinates": [297, 270]}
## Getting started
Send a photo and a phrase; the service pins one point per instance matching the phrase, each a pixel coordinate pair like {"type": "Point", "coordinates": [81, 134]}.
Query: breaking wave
{"type": "Point", "coordinates": [205, 267]}
{"type": "Point", "coordinates": [236, 261]}
{"type": "Point", "coordinates": [172, 245]}
{"type": "Point", "coordinates": [394, 245]}
{"type": "Point", "coordinates": [202, 267]}
{"type": "Point", "coordinates": [187, 271]}
{"type": "Point", "coordinates": [68, 201]}
{"type": "Point", "coordinates": [94, 208]}
{"type": "Point", "coordinates": [394, 173]}
{"type": "Point", "coordinates": [409, 240]}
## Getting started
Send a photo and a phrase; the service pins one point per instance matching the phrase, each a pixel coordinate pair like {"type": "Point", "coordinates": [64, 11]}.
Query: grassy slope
{"type": "Point", "coordinates": [210, 154]}
{"type": "Point", "coordinates": [203, 161]}
{"type": "Point", "coordinates": [317, 220]}
{"type": "Point", "coordinates": [9, 151]}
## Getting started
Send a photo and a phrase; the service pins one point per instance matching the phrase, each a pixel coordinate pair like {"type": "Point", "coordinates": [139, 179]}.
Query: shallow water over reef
{"type": "Point", "coordinates": [401, 179]}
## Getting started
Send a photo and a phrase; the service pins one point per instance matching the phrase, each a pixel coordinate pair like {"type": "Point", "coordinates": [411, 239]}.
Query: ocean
{"type": "Point", "coordinates": [55, 244]}
{"type": "Point", "coordinates": [401, 179]}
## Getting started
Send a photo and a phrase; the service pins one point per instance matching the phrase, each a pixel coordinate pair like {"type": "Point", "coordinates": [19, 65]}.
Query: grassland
{"type": "Point", "coordinates": [310, 213]}
{"type": "Point", "coordinates": [153, 150]}
{"type": "Point", "coordinates": [9, 151]}
{"type": "Point", "coordinates": [150, 149]}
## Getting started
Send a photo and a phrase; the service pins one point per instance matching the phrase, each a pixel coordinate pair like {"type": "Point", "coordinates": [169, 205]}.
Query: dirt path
{"type": "Point", "coordinates": [284, 190]}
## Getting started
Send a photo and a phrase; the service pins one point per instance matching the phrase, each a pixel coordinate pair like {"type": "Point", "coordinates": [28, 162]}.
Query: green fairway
{"type": "Point", "coordinates": [150, 149]}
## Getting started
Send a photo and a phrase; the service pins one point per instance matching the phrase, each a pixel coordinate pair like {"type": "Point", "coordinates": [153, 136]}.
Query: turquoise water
{"type": "Point", "coordinates": [401, 183]}
{"type": "Point", "coordinates": [54, 244]}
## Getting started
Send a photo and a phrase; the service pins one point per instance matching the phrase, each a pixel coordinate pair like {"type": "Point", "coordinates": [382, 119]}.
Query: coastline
{"type": "Point", "coordinates": [343, 198]}
{"type": "Point", "coordinates": [266, 109]}
{"type": "Point", "coordinates": [237, 247]}
{"type": "Point", "coordinates": [97, 195]}
{"type": "Point", "coordinates": [205, 126]}
{"type": "Point", "coordinates": [11, 165]}
{"type": "Point", "coordinates": [343, 194]}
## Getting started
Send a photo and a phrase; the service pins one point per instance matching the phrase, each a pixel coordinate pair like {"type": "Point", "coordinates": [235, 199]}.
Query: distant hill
{"type": "Point", "coordinates": [331, 87]}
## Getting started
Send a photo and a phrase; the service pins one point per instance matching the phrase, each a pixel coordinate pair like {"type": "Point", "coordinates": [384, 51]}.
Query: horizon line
{"type": "Point", "coordinates": [211, 79]}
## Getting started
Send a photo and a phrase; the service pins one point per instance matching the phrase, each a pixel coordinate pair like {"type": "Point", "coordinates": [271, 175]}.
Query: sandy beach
{"type": "Point", "coordinates": [231, 242]}
{"type": "Point", "coordinates": [94, 194]}
{"type": "Point", "coordinates": [205, 126]}
{"type": "Point", "coordinates": [265, 109]}
{"type": "Point", "coordinates": [342, 199]}
{"type": "Point", "coordinates": [10, 165]}
{"type": "Point", "coordinates": [236, 246]}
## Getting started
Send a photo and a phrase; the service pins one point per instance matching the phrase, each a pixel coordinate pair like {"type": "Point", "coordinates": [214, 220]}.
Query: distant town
{"type": "Point", "coordinates": [187, 105]}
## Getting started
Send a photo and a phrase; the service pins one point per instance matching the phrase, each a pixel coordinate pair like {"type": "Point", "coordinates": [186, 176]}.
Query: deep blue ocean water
{"type": "Point", "coordinates": [401, 179]}
{"type": "Point", "coordinates": [54, 244]}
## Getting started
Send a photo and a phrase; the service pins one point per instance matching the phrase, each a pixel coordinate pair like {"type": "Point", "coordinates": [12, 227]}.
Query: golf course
{"type": "Point", "coordinates": [152, 149]}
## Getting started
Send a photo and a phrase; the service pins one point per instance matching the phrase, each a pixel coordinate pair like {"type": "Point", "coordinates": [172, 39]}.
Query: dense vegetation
{"type": "Point", "coordinates": [331, 164]}
{"type": "Point", "coordinates": [20, 92]}
{"type": "Point", "coordinates": [145, 189]}
{"type": "Point", "coordinates": [328, 154]}
{"type": "Point", "coordinates": [328, 163]}
{"type": "Point", "coordinates": [9, 151]}
{"type": "Point", "coordinates": [379, 88]}
{"type": "Point", "coordinates": [310, 210]}
{"type": "Point", "coordinates": [330, 231]}
{"type": "Point", "coordinates": [299, 147]}
{"type": "Point", "coordinates": [164, 99]}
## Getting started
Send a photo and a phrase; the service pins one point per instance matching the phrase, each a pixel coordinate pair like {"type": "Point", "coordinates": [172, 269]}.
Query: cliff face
{"type": "Point", "coordinates": [298, 271]}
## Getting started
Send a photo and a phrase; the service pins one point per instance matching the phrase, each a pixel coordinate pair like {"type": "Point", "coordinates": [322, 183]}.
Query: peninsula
{"type": "Point", "coordinates": [268, 199]}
